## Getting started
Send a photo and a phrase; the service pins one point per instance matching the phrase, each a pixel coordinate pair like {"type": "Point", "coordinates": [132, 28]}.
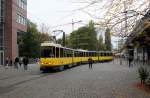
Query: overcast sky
{"type": "Point", "coordinates": [57, 12]}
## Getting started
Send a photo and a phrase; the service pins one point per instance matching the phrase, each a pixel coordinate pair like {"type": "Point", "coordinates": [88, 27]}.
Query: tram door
{"type": "Point", "coordinates": [1, 58]}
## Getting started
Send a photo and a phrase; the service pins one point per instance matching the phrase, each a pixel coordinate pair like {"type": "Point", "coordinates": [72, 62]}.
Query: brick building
{"type": "Point", "coordinates": [13, 20]}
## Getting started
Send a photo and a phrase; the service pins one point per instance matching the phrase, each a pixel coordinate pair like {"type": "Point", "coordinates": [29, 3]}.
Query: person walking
{"type": "Point", "coordinates": [25, 63]}
{"type": "Point", "coordinates": [7, 63]}
{"type": "Point", "coordinates": [20, 62]}
{"type": "Point", "coordinates": [90, 63]}
{"type": "Point", "coordinates": [130, 60]}
{"type": "Point", "coordinates": [16, 62]}
{"type": "Point", "coordinates": [11, 63]}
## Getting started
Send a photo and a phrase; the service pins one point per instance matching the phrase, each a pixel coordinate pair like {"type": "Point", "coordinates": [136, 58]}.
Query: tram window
{"type": "Point", "coordinates": [104, 54]}
{"type": "Point", "coordinates": [53, 54]}
{"type": "Point", "coordinates": [90, 53]}
{"type": "Point", "coordinates": [65, 53]}
{"type": "Point", "coordinates": [100, 54]}
{"type": "Point", "coordinates": [93, 53]}
{"type": "Point", "coordinates": [68, 53]}
{"type": "Point", "coordinates": [76, 54]}
{"type": "Point", "coordinates": [80, 54]}
{"type": "Point", "coordinates": [71, 53]}
{"type": "Point", "coordinates": [111, 54]}
{"type": "Point", "coordinates": [107, 54]}
{"type": "Point", "coordinates": [61, 52]}
{"type": "Point", "coordinates": [57, 52]}
{"type": "Point", "coordinates": [48, 52]}
{"type": "Point", "coordinates": [86, 54]}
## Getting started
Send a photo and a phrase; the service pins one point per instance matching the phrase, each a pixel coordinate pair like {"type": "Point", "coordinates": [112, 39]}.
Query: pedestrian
{"type": "Point", "coordinates": [11, 63]}
{"type": "Point", "coordinates": [90, 63]}
{"type": "Point", "coordinates": [16, 62]}
{"type": "Point", "coordinates": [20, 61]}
{"type": "Point", "coordinates": [7, 63]}
{"type": "Point", "coordinates": [25, 63]}
{"type": "Point", "coordinates": [130, 60]}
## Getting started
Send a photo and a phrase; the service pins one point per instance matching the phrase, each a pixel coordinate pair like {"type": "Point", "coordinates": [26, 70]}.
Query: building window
{"type": "Point", "coordinates": [22, 4]}
{"type": "Point", "coordinates": [21, 19]}
{"type": "Point", "coordinates": [1, 24]}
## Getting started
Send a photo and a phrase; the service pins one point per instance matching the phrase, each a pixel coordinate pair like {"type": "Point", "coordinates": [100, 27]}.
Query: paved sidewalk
{"type": "Point", "coordinates": [105, 80]}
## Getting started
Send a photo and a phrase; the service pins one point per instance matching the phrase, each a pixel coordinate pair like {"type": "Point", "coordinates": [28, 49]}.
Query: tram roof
{"type": "Point", "coordinates": [60, 46]}
{"type": "Point", "coordinates": [54, 45]}
{"type": "Point", "coordinates": [50, 44]}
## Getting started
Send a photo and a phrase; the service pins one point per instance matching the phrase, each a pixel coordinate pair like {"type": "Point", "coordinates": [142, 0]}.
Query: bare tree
{"type": "Point", "coordinates": [120, 15]}
{"type": "Point", "coordinates": [44, 28]}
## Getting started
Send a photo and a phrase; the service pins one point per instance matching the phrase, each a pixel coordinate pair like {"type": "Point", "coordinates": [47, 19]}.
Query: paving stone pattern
{"type": "Point", "coordinates": [105, 80]}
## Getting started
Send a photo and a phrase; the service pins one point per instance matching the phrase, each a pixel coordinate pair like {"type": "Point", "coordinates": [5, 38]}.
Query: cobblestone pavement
{"type": "Point", "coordinates": [105, 80]}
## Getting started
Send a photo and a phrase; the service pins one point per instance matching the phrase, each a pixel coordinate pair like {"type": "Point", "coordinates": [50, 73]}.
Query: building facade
{"type": "Point", "coordinates": [13, 22]}
{"type": "Point", "coordinates": [139, 41]}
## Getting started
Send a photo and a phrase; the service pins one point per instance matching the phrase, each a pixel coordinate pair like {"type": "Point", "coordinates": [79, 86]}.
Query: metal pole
{"type": "Point", "coordinates": [72, 25]}
{"type": "Point", "coordinates": [64, 38]}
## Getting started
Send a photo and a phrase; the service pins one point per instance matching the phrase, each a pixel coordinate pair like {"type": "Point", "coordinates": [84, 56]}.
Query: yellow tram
{"type": "Point", "coordinates": [55, 56]}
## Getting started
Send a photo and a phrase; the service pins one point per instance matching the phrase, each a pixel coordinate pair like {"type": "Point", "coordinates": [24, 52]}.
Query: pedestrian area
{"type": "Point", "coordinates": [105, 80]}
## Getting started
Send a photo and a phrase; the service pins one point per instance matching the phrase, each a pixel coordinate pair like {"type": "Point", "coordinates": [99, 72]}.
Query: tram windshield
{"type": "Point", "coordinates": [47, 52]}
